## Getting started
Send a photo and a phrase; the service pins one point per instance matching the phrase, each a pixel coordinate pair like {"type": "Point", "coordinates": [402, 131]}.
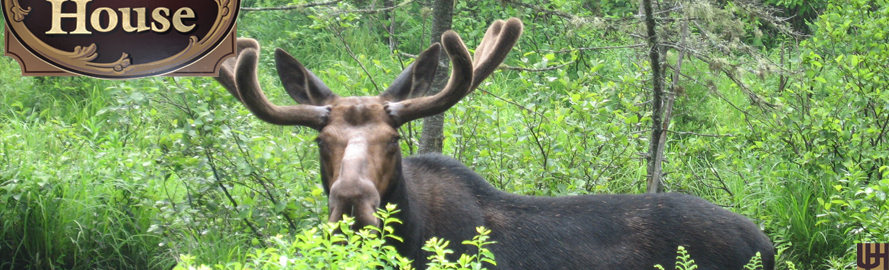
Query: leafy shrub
{"type": "Point", "coordinates": [685, 262]}
{"type": "Point", "coordinates": [337, 246]}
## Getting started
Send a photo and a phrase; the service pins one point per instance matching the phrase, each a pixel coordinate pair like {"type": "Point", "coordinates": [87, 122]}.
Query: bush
{"type": "Point", "coordinates": [323, 247]}
{"type": "Point", "coordinates": [685, 262]}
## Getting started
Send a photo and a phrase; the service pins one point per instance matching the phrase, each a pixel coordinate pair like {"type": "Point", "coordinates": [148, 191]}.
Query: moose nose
{"type": "Point", "coordinates": [357, 198]}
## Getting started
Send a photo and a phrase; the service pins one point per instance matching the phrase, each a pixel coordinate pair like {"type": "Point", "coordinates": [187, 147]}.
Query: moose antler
{"type": "Point", "coordinates": [238, 76]}
{"type": "Point", "coordinates": [226, 73]}
{"type": "Point", "coordinates": [458, 85]}
{"type": "Point", "coordinates": [492, 50]}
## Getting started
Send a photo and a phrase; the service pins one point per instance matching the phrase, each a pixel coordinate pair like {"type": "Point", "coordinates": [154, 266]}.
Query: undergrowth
{"type": "Point", "coordinates": [338, 246]}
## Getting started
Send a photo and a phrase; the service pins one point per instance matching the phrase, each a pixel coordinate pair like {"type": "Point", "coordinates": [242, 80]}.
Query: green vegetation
{"type": "Point", "coordinates": [160, 172]}
{"type": "Point", "coordinates": [685, 262]}
{"type": "Point", "coordinates": [321, 248]}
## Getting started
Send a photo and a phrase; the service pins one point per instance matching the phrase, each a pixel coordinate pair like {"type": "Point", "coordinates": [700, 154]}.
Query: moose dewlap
{"type": "Point", "coordinates": [362, 169]}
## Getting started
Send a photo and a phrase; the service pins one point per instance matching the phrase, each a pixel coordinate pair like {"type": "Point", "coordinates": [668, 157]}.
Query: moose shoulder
{"type": "Point", "coordinates": [362, 169]}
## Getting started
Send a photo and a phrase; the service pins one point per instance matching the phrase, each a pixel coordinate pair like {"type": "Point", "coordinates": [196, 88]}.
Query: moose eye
{"type": "Point", "coordinates": [395, 140]}
{"type": "Point", "coordinates": [320, 142]}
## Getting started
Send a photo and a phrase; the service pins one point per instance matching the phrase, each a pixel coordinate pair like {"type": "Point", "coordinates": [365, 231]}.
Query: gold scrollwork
{"type": "Point", "coordinates": [18, 13]}
{"type": "Point", "coordinates": [223, 4]}
{"type": "Point", "coordinates": [87, 53]}
{"type": "Point", "coordinates": [120, 67]}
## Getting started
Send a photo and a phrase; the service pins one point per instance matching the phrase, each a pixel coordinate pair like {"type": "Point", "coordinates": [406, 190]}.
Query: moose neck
{"type": "Point", "coordinates": [411, 227]}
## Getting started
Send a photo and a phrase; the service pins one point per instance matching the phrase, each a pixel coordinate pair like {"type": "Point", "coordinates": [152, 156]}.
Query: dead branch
{"type": "Point", "coordinates": [702, 135]}
{"type": "Point", "coordinates": [372, 10]}
{"type": "Point", "coordinates": [505, 67]}
{"type": "Point", "coordinates": [502, 66]}
{"type": "Point", "coordinates": [596, 48]}
{"type": "Point", "coordinates": [328, 3]}
{"type": "Point", "coordinates": [562, 14]}
{"type": "Point", "coordinates": [755, 99]}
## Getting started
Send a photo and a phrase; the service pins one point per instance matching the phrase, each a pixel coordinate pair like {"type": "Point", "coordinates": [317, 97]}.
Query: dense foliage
{"type": "Point", "coordinates": [789, 130]}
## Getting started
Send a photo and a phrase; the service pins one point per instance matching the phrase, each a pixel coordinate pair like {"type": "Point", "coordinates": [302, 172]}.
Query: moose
{"type": "Point", "coordinates": [362, 168]}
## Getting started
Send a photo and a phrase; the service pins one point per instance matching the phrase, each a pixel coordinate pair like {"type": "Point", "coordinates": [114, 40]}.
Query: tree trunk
{"type": "Point", "coordinates": [657, 81]}
{"type": "Point", "coordinates": [390, 16]}
{"type": "Point", "coordinates": [433, 126]}
{"type": "Point", "coordinates": [668, 109]}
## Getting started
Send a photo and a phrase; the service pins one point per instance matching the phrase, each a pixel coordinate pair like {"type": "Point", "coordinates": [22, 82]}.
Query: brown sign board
{"type": "Point", "coordinates": [113, 39]}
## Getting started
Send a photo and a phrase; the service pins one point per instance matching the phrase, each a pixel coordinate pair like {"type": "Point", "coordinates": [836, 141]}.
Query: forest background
{"type": "Point", "coordinates": [777, 110]}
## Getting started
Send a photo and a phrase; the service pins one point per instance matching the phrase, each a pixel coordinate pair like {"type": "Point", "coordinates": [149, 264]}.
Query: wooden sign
{"type": "Point", "coordinates": [113, 39]}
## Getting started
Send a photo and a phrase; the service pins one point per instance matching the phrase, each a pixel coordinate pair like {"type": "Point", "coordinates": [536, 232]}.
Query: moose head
{"type": "Point", "coordinates": [358, 137]}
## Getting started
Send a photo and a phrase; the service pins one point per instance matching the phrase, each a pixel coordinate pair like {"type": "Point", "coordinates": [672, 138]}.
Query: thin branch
{"type": "Point", "coordinates": [514, 103]}
{"type": "Point", "coordinates": [755, 99]}
{"type": "Point", "coordinates": [718, 177]}
{"type": "Point", "coordinates": [596, 48]}
{"type": "Point", "coordinates": [339, 34]}
{"type": "Point", "coordinates": [712, 87]}
{"type": "Point", "coordinates": [696, 176]}
{"type": "Point", "coordinates": [547, 11]}
{"type": "Point", "coordinates": [228, 195]}
{"type": "Point", "coordinates": [372, 10]}
{"type": "Point", "coordinates": [328, 3]}
{"type": "Point", "coordinates": [414, 56]}
{"type": "Point", "coordinates": [601, 172]}
{"type": "Point", "coordinates": [504, 67]}
{"type": "Point", "coordinates": [544, 151]}
{"type": "Point", "coordinates": [702, 135]}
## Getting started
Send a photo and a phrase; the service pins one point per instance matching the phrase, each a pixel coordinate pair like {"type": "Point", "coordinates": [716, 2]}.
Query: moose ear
{"type": "Point", "coordinates": [303, 86]}
{"type": "Point", "coordinates": [416, 79]}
